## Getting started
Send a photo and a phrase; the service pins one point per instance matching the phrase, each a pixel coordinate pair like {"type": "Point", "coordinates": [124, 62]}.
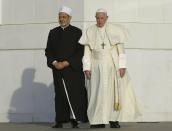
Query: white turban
{"type": "Point", "coordinates": [66, 10]}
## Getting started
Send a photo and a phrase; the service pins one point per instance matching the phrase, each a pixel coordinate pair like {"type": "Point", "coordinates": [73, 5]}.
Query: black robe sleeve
{"type": "Point", "coordinates": [49, 51]}
{"type": "Point", "coordinates": [75, 60]}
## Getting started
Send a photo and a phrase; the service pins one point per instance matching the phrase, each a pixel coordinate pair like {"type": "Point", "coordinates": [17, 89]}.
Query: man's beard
{"type": "Point", "coordinates": [63, 24]}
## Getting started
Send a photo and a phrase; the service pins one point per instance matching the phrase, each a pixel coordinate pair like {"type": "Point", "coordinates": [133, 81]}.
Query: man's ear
{"type": "Point", "coordinates": [70, 17]}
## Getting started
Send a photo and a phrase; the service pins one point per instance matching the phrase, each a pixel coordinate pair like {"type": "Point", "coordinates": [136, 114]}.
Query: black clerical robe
{"type": "Point", "coordinates": [63, 45]}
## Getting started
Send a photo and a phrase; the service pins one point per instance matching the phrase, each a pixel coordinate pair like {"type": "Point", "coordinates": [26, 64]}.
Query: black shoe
{"type": "Point", "coordinates": [57, 125]}
{"type": "Point", "coordinates": [98, 126]}
{"type": "Point", "coordinates": [114, 124]}
{"type": "Point", "coordinates": [74, 123]}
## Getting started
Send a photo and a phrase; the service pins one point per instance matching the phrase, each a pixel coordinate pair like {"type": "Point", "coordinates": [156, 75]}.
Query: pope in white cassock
{"type": "Point", "coordinates": [110, 95]}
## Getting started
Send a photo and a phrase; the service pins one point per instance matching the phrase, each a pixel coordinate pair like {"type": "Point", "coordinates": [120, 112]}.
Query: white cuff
{"type": "Point", "coordinates": [54, 62]}
{"type": "Point", "coordinates": [86, 64]}
{"type": "Point", "coordinates": [122, 61]}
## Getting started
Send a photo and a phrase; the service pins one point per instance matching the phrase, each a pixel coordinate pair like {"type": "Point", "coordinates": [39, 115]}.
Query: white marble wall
{"type": "Point", "coordinates": [0, 11]}
{"type": "Point", "coordinates": [26, 82]}
{"type": "Point", "coordinates": [37, 11]}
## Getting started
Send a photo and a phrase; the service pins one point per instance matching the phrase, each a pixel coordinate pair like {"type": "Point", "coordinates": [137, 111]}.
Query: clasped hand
{"type": "Point", "coordinates": [61, 65]}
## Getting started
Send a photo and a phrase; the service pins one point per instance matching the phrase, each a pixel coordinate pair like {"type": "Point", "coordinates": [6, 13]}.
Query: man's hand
{"type": "Point", "coordinates": [88, 74]}
{"type": "Point", "coordinates": [122, 72]}
{"type": "Point", "coordinates": [60, 65]}
{"type": "Point", "coordinates": [66, 63]}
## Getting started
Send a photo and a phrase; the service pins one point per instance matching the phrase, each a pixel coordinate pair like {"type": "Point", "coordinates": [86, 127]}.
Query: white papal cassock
{"type": "Point", "coordinates": [110, 97]}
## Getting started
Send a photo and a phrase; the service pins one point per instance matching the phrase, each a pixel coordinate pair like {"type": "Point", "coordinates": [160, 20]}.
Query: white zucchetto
{"type": "Point", "coordinates": [101, 10]}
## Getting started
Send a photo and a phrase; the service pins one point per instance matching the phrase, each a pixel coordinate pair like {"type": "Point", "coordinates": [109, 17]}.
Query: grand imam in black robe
{"type": "Point", "coordinates": [63, 45]}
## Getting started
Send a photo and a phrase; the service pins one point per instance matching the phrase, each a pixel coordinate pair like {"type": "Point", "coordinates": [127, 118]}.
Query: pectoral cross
{"type": "Point", "coordinates": [103, 45]}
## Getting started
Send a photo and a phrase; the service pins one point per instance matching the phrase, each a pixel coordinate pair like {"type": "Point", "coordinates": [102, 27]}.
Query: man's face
{"type": "Point", "coordinates": [64, 19]}
{"type": "Point", "coordinates": [101, 18]}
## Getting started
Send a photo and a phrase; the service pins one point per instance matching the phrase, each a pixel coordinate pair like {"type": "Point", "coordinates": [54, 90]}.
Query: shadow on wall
{"type": "Point", "coordinates": [33, 101]}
